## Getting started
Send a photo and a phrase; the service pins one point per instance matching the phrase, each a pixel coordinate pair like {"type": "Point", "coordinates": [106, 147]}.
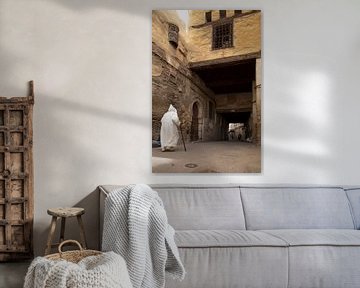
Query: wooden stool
{"type": "Point", "coordinates": [64, 213]}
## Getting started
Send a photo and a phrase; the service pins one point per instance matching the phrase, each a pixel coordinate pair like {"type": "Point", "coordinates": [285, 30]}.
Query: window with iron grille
{"type": "Point", "coordinates": [222, 13]}
{"type": "Point", "coordinates": [208, 16]}
{"type": "Point", "coordinates": [222, 35]}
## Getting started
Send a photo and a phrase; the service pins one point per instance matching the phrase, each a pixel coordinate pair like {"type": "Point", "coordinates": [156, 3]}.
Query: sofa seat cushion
{"type": "Point", "coordinates": [317, 237]}
{"type": "Point", "coordinates": [235, 267]}
{"type": "Point", "coordinates": [225, 238]}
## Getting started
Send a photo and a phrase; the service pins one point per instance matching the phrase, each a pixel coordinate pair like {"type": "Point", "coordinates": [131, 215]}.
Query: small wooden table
{"type": "Point", "coordinates": [63, 213]}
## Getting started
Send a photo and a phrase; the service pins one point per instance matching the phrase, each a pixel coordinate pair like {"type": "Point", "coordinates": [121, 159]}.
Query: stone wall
{"type": "Point", "coordinates": [174, 83]}
{"type": "Point", "coordinates": [234, 102]}
{"type": "Point", "coordinates": [247, 35]}
{"type": "Point", "coordinates": [257, 101]}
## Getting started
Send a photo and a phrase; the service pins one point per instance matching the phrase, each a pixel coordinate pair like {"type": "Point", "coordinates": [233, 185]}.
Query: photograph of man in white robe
{"type": "Point", "coordinates": [169, 133]}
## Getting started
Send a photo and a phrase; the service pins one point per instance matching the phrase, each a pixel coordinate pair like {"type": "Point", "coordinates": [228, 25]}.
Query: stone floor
{"type": "Point", "coordinates": [209, 157]}
{"type": "Point", "coordinates": [12, 274]}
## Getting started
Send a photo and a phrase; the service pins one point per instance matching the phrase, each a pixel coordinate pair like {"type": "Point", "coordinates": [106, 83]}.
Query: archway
{"type": "Point", "coordinates": [194, 134]}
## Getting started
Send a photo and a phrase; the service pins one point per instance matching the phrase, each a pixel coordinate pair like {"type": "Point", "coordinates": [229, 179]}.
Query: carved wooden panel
{"type": "Point", "coordinates": [16, 177]}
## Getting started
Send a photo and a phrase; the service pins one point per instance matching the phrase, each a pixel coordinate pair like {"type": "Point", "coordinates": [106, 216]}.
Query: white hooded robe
{"type": "Point", "coordinates": [169, 134]}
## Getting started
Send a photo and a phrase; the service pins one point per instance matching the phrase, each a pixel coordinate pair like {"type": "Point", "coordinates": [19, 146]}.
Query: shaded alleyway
{"type": "Point", "coordinates": [205, 157]}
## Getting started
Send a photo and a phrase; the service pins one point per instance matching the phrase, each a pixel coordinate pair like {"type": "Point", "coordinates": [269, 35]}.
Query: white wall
{"type": "Point", "coordinates": [91, 63]}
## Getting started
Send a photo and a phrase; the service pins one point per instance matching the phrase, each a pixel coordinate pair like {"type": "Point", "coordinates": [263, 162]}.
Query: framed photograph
{"type": "Point", "coordinates": [206, 91]}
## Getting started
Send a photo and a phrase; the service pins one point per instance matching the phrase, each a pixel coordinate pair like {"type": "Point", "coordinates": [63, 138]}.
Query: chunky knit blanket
{"type": "Point", "coordinates": [102, 271]}
{"type": "Point", "coordinates": [136, 227]}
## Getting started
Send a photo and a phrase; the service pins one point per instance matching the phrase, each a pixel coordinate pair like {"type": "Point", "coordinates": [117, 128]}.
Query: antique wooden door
{"type": "Point", "coordinates": [16, 177]}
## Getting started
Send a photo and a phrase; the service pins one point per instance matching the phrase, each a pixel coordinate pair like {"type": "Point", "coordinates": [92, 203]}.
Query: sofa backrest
{"type": "Point", "coordinates": [202, 207]}
{"type": "Point", "coordinates": [296, 208]}
{"type": "Point", "coordinates": [215, 207]}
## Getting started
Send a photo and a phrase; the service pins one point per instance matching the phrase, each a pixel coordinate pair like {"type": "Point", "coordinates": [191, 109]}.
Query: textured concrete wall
{"type": "Point", "coordinates": [91, 64]}
{"type": "Point", "coordinates": [247, 36]}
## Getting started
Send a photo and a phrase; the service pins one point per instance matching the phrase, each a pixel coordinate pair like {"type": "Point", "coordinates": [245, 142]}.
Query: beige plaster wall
{"type": "Point", "coordinates": [246, 31]}
{"type": "Point", "coordinates": [91, 63]}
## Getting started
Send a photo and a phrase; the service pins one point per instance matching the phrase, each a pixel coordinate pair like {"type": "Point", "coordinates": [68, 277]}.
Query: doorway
{"type": "Point", "coordinates": [194, 135]}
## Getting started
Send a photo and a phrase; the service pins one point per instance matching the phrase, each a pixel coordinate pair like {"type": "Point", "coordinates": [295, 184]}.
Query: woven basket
{"type": "Point", "coordinates": [72, 256]}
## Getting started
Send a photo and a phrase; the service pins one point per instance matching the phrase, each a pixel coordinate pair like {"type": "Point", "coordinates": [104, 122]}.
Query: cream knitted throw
{"type": "Point", "coordinates": [103, 271]}
{"type": "Point", "coordinates": [136, 227]}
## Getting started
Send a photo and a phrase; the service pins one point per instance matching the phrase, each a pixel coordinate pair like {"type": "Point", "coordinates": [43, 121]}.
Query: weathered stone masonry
{"type": "Point", "coordinates": [174, 83]}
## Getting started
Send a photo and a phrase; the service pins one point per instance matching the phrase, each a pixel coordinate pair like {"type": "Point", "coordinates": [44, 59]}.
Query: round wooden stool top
{"type": "Point", "coordinates": [66, 211]}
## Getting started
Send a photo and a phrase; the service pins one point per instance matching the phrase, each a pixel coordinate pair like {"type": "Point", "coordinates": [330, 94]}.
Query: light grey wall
{"type": "Point", "coordinates": [91, 63]}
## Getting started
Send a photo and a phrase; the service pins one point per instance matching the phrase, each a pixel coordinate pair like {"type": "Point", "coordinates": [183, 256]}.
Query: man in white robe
{"type": "Point", "coordinates": [169, 134]}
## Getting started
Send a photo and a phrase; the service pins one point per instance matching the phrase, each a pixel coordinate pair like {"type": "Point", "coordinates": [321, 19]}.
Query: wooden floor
{"type": "Point", "coordinates": [12, 274]}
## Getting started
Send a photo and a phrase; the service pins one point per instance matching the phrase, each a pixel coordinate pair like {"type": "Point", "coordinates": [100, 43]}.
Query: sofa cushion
{"type": "Point", "coordinates": [226, 238]}
{"type": "Point", "coordinates": [191, 208]}
{"type": "Point", "coordinates": [315, 237]}
{"type": "Point", "coordinates": [322, 258]}
{"type": "Point", "coordinates": [296, 208]}
{"type": "Point", "coordinates": [324, 266]}
{"type": "Point", "coordinates": [223, 267]}
{"type": "Point", "coordinates": [354, 198]}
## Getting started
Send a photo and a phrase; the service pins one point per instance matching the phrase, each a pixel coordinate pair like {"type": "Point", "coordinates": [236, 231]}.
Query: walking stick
{"type": "Point", "coordinates": [182, 137]}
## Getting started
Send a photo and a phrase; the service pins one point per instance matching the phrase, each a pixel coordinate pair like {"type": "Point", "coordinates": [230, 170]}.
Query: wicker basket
{"type": "Point", "coordinates": [72, 256]}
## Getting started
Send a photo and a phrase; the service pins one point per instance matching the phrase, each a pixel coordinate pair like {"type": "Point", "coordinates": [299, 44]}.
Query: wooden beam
{"type": "Point", "coordinates": [227, 82]}
{"type": "Point", "coordinates": [234, 110]}
{"type": "Point", "coordinates": [226, 61]}
{"type": "Point", "coordinates": [225, 19]}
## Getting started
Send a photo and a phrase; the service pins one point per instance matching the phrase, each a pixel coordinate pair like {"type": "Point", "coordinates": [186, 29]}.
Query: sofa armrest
{"type": "Point", "coordinates": [103, 195]}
